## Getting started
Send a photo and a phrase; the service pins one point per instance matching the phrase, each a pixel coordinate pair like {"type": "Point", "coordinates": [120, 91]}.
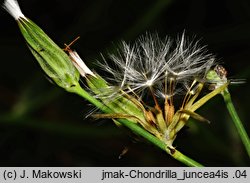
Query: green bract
{"type": "Point", "coordinates": [53, 60]}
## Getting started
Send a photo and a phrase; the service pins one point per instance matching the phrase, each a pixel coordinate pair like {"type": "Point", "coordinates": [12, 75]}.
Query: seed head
{"type": "Point", "coordinates": [152, 63]}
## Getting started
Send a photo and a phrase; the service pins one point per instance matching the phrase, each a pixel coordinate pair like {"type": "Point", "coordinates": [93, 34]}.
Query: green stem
{"type": "Point", "coordinates": [81, 92]}
{"type": "Point", "coordinates": [185, 159]}
{"type": "Point", "coordinates": [138, 130]}
{"type": "Point", "coordinates": [174, 153]}
{"type": "Point", "coordinates": [239, 126]}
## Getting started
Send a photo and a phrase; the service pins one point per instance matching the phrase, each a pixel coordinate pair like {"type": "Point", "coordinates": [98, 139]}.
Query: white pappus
{"type": "Point", "coordinates": [12, 7]}
{"type": "Point", "coordinates": [158, 65]}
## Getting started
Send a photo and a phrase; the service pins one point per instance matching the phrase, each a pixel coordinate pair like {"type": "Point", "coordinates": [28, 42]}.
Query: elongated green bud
{"type": "Point", "coordinates": [53, 60]}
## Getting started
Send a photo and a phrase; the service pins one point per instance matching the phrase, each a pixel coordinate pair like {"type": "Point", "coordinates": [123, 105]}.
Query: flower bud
{"type": "Point", "coordinates": [53, 60]}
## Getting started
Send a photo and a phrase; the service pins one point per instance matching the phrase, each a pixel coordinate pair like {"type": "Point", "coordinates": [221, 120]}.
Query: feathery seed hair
{"type": "Point", "coordinates": [155, 64]}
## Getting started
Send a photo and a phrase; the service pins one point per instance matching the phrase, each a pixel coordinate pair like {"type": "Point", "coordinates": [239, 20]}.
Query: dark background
{"type": "Point", "coordinates": [41, 125]}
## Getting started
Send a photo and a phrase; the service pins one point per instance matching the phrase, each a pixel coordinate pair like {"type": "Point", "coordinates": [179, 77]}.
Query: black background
{"type": "Point", "coordinates": [41, 125]}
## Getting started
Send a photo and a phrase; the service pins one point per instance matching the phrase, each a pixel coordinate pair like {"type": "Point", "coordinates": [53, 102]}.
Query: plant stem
{"type": "Point", "coordinates": [81, 92]}
{"type": "Point", "coordinates": [237, 122]}
{"type": "Point", "coordinates": [185, 159]}
{"type": "Point", "coordinates": [138, 130]}
{"type": "Point", "coordinates": [175, 154]}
